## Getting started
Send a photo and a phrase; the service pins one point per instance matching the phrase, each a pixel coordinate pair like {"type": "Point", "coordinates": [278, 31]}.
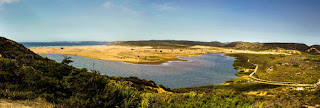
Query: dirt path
{"type": "Point", "coordinates": [6, 104]}
{"type": "Point", "coordinates": [276, 82]}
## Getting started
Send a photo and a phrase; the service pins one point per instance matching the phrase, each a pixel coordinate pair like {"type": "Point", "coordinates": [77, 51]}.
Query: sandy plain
{"type": "Point", "coordinates": [138, 55]}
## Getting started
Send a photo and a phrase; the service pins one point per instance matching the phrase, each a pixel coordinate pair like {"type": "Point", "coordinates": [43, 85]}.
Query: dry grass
{"type": "Point", "coordinates": [4, 103]}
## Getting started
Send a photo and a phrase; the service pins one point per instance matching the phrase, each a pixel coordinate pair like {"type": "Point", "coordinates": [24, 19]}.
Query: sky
{"type": "Point", "coordinates": [197, 20]}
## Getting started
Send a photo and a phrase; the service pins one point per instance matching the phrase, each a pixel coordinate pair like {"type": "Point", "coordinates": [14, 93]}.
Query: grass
{"type": "Point", "coordinates": [36, 103]}
{"type": "Point", "coordinates": [25, 76]}
{"type": "Point", "coordinates": [287, 68]}
{"type": "Point", "coordinates": [236, 87]}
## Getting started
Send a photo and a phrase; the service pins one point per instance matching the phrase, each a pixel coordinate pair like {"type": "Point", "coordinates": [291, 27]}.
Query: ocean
{"type": "Point", "coordinates": [62, 44]}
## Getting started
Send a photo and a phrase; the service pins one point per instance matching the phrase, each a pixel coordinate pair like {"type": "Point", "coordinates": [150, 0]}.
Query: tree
{"type": "Point", "coordinates": [66, 60]}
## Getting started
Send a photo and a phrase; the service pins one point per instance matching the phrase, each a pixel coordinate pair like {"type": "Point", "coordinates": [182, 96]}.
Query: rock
{"type": "Point", "coordinates": [313, 50]}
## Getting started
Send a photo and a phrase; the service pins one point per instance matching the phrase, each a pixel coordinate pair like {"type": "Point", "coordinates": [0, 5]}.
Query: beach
{"type": "Point", "coordinates": [137, 55]}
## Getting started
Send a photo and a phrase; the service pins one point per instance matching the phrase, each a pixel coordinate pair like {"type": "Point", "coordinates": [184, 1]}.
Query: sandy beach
{"type": "Point", "coordinates": [137, 55]}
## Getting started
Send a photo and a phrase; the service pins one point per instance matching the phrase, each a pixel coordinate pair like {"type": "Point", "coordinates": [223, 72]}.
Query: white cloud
{"type": "Point", "coordinates": [111, 5]}
{"type": "Point", "coordinates": [8, 1]}
{"type": "Point", "coordinates": [166, 7]}
{"type": "Point", "coordinates": [108, 4]}
{"type": "Point", "coordinates": [2, 2]}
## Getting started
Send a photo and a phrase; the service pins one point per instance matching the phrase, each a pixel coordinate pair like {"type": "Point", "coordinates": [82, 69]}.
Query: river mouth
{"type": "Point", "coordinates": [200, 70]}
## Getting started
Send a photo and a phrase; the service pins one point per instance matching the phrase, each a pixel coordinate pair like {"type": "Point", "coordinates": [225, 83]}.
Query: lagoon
{"type": "Point", "coordinates": [200, 70]}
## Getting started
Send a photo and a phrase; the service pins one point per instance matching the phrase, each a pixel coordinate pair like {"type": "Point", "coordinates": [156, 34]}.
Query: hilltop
{"type": "Point", "coordinates": [316, 46]}
{"type": "Point", "coordinates": [267, 46]}
{"type": "Point", "coordinates": [26, 75]}
{"type": "Point", "coordinates": [168, 43]}
{"type": "Point", "coordinates": [234, 45]}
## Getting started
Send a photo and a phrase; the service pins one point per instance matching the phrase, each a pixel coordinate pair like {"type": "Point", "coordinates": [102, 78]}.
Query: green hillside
{"type": "Point", "coordinates": [233, 45]}
{"type": "Point", "coordinates": [267, 46]}
{"type": "Point", "coordinates": [25, 75]}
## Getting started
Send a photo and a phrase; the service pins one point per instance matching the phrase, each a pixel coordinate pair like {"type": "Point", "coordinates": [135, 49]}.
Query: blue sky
{"type": "Point", "coordinates": [199, 20]}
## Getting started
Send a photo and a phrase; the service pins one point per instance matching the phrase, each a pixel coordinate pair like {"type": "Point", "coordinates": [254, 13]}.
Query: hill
{"type": "Point", "coordinates": [316, 46]}
{"type": "Point", "coordinates": [168, 43]}
{"type": "Point", "coordinates": [314, 49]}
{"type": "Point", "coordinates": [267, 46]}
{"type": "Point", "coordinates": [26, 75]}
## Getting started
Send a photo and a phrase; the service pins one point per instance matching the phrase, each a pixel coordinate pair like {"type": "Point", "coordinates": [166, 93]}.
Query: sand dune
{"type": "Point", "coordinates": [137, 55]}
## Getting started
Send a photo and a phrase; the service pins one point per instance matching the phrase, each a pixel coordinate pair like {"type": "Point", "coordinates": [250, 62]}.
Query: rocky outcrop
{"type": "Point", "coordinates": [313, 50]}
{"type": "Point", "coordinates": [316, 46]}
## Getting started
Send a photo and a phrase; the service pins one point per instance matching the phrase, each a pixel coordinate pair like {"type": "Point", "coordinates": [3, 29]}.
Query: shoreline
{"type": "Point", "coordinates": [138, 54]}
{"type": "Point", "coordinates": [135, 55]}
{"type": "Point", "coordinates": [143, 55]}
{"type": "Point", "coordinates": [63, 46]}
{"type": "Point", "coordinates": [230, 76]}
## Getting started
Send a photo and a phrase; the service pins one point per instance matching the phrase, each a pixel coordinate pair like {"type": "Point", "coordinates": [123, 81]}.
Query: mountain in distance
{"type": "Point", "coordinates": [168, 43]}
{"type": "Point", "coordinates": [234, 45]}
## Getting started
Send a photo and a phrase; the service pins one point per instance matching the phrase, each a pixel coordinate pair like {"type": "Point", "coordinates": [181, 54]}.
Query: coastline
{"type": "Point", "coordinates": [135, 55]}
{"type": "Point", "coordinates": [138, 55]}
{"type": "Point", "coordinates": [29, 47]}
{"type": "Point", "coordinates": [145, 55]}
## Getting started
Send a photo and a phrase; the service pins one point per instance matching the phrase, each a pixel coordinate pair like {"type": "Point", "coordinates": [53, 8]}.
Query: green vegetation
{"type": "Point", "coordinates": [287, 68]}
{"type": "Point", "coordinates": [66, 60]}
{"type": "Point", "coordinates": [267, 46]}
{"type": "Point", "coordinates": [168, 44]}
{"type": "Point", "coordinates": [27, 76]}
{"type": "Point", "coordinates": [239, 94]}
